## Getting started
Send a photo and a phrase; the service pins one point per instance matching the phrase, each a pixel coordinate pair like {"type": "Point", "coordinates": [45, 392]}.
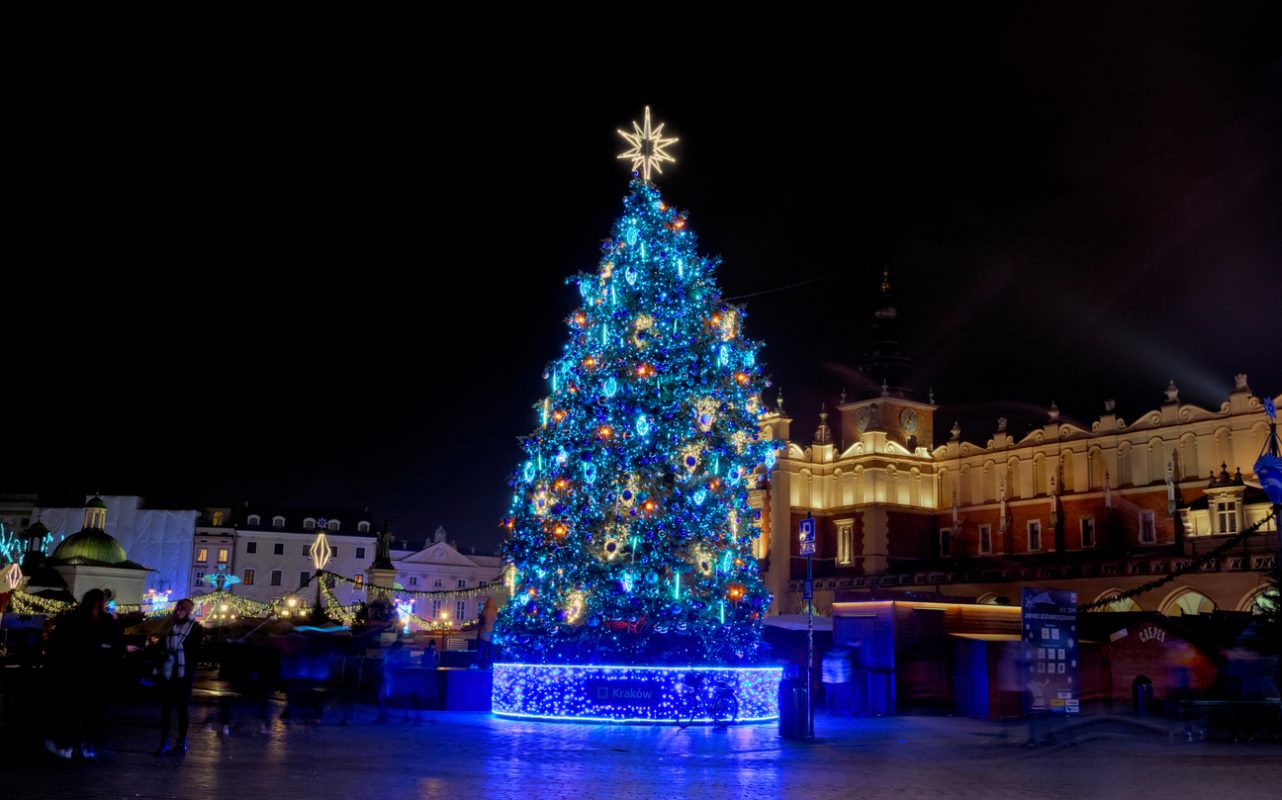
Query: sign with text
{"type": "Point", "coordinates": [1050, 651]}
{"type": "Point", "coordinates": [807, 537]}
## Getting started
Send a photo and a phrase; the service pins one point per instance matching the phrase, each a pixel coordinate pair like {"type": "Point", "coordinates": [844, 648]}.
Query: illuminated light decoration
{"type": "Point", "coordinates": [404, 610]}
{"type": "Point", "coordinates": [741, 378]}
{"type": "Point", "coordinates": [558, 415]}
{"type": "Point", "coordinates": [607, 269]}
{"type": "Point", "coordinates": [723, 355]}
{"type": "Point", "coordinates": [559, 530]}
{"type": "Point", "coordinates": [663, 358]}
{"type": "Point", "coordinates": [320, 551]}
{"type": "Point", "coordinates": [722, 604]}
{"type": "Point", "coordinates": [676, 586]}
{"type": "Point", "coordinates": [610, 388]}
{"type": "Point", "coordinates": [771, 459]}
{"type": "Point", "coordinates": [641, 330]}
{"type": "Point", "coordinates": [621, 694]}
{"type": "Point", "coordinates": [584, 289]}
{"type": "Point", "coordinates": [579, 319]}
{"type": "Point", "coordinates": [733, 516]}
{"type": "Point", "coordinates": [733, 476]}
{"type": "Point", "coordinates": [630, 275]}
{"type": "Point", "coordinates": [589, 472]}
{"type": "Point", "coordinates": [13, 576]}
{"type": "Point", "coordinates": [680, 268]}
{"type": "Point", "coordinates": [706, 413]}
{"type": "Point", "coordinates": [727, 561]}
{"type": "Point", "coordinates": [700, 496]}
{"type": "Point", "coordinates": [648, 147]}
{"type": "Point", "coordinates": [562, 456]}
{"type": "Point", "coordinates": [540, 501]}
{"type": "Point", "coordinates": [575, 605]}
{"type": "Point", "coordinates": [734, 591]}
{"type": "Point", "coordinates": [605, 432]}
{"type": "Point", "coordinates": [528, 471]}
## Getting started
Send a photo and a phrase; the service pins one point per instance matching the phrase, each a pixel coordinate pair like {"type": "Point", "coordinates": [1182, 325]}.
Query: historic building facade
{"type": "Point", "coordinates": [1100, 510]}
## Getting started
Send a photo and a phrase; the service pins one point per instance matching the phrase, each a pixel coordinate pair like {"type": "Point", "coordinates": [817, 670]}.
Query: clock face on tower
{"type": "Point", "coordinates": [908, 419]}
{"type": "Point", "coordinates": [861, 420]}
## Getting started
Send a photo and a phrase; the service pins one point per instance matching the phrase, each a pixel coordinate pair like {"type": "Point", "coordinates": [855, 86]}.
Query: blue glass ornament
{"type": "Point", "coordinates": [643, 425]}
{"type": "Point", "coordinates": [610, 387]}
{"type": "Point", "coordinates": [528, 471]}
{"type": "Point", "coordinates": [700, 496]}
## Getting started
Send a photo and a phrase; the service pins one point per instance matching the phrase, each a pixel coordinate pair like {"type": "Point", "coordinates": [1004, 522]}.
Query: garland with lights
{"type": "Point", "coordinates": [630, 528]}
{"type": "Point", "coordinates": [1194, 566]}
{"type": "Point", "coordinates": [485, 589]}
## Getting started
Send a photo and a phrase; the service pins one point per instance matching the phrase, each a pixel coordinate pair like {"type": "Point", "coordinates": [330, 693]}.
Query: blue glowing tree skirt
{"type": "Point", "coordinates": [593, 693]}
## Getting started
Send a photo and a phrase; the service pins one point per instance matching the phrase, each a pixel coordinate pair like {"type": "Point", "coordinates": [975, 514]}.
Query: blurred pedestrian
{"type": "Point", "coordinates": [82, 650]}
{"type": "Point", "coordinates": [181, 637]}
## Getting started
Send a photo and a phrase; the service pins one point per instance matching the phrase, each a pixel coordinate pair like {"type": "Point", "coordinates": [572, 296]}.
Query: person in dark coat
{"type": "Point", "coordinates": [180, 640]}
{"type": "Point", "coordinates": [82, 659]}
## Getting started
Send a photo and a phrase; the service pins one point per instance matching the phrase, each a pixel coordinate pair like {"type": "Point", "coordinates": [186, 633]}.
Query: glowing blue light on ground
{"type": "Point", "coordinates": [591, 693]}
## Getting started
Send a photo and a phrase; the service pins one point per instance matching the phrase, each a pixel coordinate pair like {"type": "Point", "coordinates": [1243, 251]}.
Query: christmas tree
{"type": "Point", "coordinates": [630, 527]}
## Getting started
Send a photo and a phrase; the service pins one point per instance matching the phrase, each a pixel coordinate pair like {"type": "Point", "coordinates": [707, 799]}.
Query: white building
{"type": "Point", "coordinates": [157, 537]}
{"type": "Point", "coordinates": [440, 566]}
{"type": "Point", "coordinates": [272, 551]}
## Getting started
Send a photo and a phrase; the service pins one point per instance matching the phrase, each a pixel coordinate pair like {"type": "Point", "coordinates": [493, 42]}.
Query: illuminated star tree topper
{"type": "Point", "coordinates": [647, 147]}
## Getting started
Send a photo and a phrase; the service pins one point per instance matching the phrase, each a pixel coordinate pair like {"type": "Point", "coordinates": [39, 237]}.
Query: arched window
{"type": "Point", "coordinates": [335, 525]}
{"type": "Point", "coordinates": [1124, 465]}
{"type": "Point", "coordinates": [1188, 457]}
{"type": "Point", "coordinates": [1188, 602]}
{"type": "Point", "coordinates": [990, 482]}
{"type": "Point", "coordinates": [1039, 475]}
{"type": "Point", "coordinates": [1095, 468]}
{"type": "Point", "coordinates": [1066, 472]}
{"type": "Point", "coordinates": [1156, 461]}
{"type": "Point", "coordinates": [1012, 479]}
{"type": "Point", "coordinates": [309, 524]}
{"type": "Point", "coordinates": [1125, 604]}
{"type": "Point", "coordinates": [362, 527]}
{"type": "Point", "coordinates": [254, 521]}
{"type": "Point", "coordinates": [278, 522]}
{"type": "Point", "coordinates": [964, 494]}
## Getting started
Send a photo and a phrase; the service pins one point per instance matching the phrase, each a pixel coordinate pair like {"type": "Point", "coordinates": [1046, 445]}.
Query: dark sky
{"type": "Point", "coordinates": [334, 277]}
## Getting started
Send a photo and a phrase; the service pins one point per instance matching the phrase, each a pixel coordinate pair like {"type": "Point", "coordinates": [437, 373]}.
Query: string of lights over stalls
{"type": "Point", "coordinates": [631, 530]}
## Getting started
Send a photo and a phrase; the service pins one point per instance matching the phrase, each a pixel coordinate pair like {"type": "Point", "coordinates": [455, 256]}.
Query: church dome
{"type": "Point", "coordinates": [91, 544]}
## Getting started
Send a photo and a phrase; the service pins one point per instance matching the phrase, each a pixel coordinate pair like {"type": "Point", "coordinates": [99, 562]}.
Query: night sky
{"type": "Point", "coordinates": [336, 280]}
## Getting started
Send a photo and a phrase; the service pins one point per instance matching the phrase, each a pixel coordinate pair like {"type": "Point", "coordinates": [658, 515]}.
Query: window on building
{"type": "Point", "coordinates": [359, 580]}
{"type": "Point", "coordinates": [985, 538]}
{"type": "Point", "coordinates": [360, 552]}
{"type": "Point", "coordinates": [413, 580]}
{"type": "Point", "coordinates": [278, 522]}
{"type": "Point", "coordinates": [1148, 528]}
{"type": "Point", "coordinates": [251, 547]}
{"type": "Point", "coordinates": [461, 610]}
{"type": "Point", "coordinates": [202, 554]}
{"type": "Point", "coordinates": [462, 584]}
{"type": "Point", "coordinates": [438, 583]}
{"type": "Point", "coordinates": [1226, 516]}
{"type": "Point", "coordinates": [335, 525]}
{"type": "Point", "coordinates": [304, 577]}
{"type": "Point", "coordinates": [1034, 535]}
{"type": "Point", "coordinates": [309, 524]}
{"type": "Point", "coordinates": [278, 548]}
{"type": "Point", "coordinates": [216, 519]}
{"type": "Point", "coordinates": [436, 608]}
{"type": "Point", "coordinates": [945, 542]}
{"type": "Point", "coordinates": [333, 552]}
{"type": "Point", "coordinates": [845, 543]}
{"type": "Point", "coordinates": [254, 520]}
{"type": "Point", "coordinates": [362, 527]}
{"type": "Point", "coordinates": [307, 550]}
{"type": "Point", "coordinates": [200, 578]}
{"type": "Point", "coordinates": [223, 555]}
{"type": "Point", "coordinates": [248, 578]}
{"type": "Point", "coordinates": [1088, 532]}
{"type": "Point", "coordinates": [277, 577]}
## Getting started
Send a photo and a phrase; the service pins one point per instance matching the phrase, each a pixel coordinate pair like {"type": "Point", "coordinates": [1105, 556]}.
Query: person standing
{"type": "Point", "coordinates": [181, 640]}
{"type": "Point", "coordinates": [82, 647]}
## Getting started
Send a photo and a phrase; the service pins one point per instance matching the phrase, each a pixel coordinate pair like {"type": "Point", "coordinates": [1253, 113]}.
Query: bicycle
{"type": "Point", "coordinates": [701, 700]}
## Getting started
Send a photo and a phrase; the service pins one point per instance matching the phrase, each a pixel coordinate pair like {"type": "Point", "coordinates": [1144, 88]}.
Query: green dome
{"type": "Point", "coordinates": [91, 544]}
{"type": "Point", "coordinates": [97, 502]}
